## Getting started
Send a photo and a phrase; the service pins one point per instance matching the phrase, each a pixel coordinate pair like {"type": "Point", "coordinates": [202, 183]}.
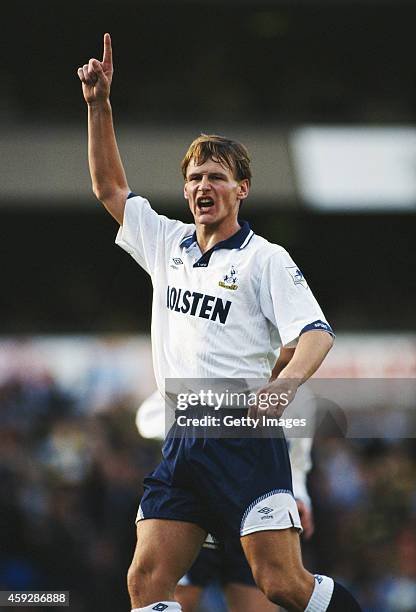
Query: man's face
{"type": "Point", "coordinates": [213, 192]}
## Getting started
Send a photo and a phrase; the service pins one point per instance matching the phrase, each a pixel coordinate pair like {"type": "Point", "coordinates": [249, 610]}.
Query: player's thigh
{"type": "Point", "coordinates": [248, 598]}
{"type": "Point", "coordinates": [166, 547]}
{"type": "Point", "coordinates": [274, 552]}
{"type": "Point", "coordinates": [188, 597]}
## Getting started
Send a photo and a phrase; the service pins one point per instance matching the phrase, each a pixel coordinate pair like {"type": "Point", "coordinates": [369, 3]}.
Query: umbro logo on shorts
{"type": "Point", "coordinates": [265, 510]}
{"type": "Point", "coordinates": [159, 607]}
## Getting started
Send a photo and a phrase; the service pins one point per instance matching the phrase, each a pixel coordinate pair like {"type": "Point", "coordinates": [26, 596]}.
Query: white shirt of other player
{"type": "Point", "coordinates": [221, 314]}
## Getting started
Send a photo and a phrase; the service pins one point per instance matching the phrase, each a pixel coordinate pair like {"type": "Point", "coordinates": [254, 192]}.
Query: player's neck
{"type": "Point", "coordinates": [209, 235]}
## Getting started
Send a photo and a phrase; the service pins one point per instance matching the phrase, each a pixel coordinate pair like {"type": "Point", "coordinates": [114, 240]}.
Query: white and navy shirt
{"type": "Point", "coordinates": [221, 314]}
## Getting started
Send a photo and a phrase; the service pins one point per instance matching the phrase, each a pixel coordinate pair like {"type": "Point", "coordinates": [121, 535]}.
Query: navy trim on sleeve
{"type": "Point", "coordinates": [131, 195]}
{"type": "Point", "coordinates": [318, 326]}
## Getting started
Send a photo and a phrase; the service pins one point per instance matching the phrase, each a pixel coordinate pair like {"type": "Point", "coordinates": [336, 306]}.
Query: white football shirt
{"type": "Point", "coordinates": [221, 314]}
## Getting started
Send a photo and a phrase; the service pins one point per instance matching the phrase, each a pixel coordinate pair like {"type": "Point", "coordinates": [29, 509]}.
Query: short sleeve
{"type": "Point", "coordinates": [143, 231]}
{"type": "Point", "coordinates": [286, 299]}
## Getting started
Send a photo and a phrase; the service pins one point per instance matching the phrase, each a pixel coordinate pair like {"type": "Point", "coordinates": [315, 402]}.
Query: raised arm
{"type": "Point", "coordinates": [109, 182]}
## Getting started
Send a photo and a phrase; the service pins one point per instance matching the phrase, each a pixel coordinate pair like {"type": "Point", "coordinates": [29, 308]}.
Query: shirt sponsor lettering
{"type": "Point", "coordinates": [197, 304]}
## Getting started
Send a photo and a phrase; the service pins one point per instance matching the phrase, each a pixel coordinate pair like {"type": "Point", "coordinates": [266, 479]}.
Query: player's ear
{"type": "Point", "coordinates": [243, 189]}
{"type": "Point", "coordinates": [185, 192]}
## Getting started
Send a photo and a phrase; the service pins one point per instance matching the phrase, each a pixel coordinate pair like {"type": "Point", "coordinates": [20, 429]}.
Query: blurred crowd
{"type": "Point", "coordinates": [364, 499]}
{"type": "Point", "coordinates": [70, 485]}
{"type": "Point", "coordinates": [71, 481]}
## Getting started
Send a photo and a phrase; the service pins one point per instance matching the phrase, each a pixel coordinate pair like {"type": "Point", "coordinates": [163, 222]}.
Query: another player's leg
{"type": "Point", "coordinates": [164, 552]}
{"type": "Point", "coordinates": [205, 571]}
{"type": "Point", "coordinates": [248, 598]}
{"type": "Point", "coordinates": [188, 597]}
{"type": "Point", "coordinates": [240, 589]}
{"type": "Point", "coordinates": [276, 563]}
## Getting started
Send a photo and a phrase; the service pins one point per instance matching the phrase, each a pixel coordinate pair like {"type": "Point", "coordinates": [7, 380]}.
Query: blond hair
{"type": "Point", "coordinates": [229, 153]}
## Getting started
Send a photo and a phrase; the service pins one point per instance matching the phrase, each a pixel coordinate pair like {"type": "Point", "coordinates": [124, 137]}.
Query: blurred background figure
{"type": "Point", "coordinates": [330, 125]}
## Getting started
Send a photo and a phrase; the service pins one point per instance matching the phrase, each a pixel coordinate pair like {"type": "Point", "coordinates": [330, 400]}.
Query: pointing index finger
{"type": "Point", "coordinates": [108, 53]}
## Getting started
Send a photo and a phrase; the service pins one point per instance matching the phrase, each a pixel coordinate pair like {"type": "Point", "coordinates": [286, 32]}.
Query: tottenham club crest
{"type": "Point", "coordinates": [229, 281]}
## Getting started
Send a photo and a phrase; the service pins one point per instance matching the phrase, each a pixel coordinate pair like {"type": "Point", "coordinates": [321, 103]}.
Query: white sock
{"type": "Point", "coordinates": [321, 595]}
{"type": "Point", "coordinates": [160, 606]}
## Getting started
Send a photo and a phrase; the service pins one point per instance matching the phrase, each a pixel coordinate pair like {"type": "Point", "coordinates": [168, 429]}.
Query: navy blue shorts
{"type": "Point", "coordinates": [223, 566]}
{"type": "Point", "coordinates": [231, 487]}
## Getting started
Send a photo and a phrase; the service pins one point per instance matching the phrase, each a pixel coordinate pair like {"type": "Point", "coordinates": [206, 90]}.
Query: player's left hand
{"type": "Point", "coordinates": [306, 519]}
{"type": "Point", "coordinates": [273, 398]}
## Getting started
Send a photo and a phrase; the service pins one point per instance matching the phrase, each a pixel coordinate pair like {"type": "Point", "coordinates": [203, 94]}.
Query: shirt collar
{"type": "Point", "coordinates": [239, 240]}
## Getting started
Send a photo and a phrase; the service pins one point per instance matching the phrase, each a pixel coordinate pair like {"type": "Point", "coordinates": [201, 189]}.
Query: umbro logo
{"type": "Point", "coordinates": [177, 261]}
{"type": "Point", "coordinates": [265, 510]}
{"type": "Point", "coordinates": [318, 578]}
{"type": "Point", "coordinates": [160, 607]}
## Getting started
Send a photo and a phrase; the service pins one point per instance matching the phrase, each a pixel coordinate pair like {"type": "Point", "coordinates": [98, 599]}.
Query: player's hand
{"type": "Point", "coordinates": [273, 398]}
{"type": "Point", "coordinates": [96, 76]}
{"type": "Point", "coordinates": [306, 519]}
